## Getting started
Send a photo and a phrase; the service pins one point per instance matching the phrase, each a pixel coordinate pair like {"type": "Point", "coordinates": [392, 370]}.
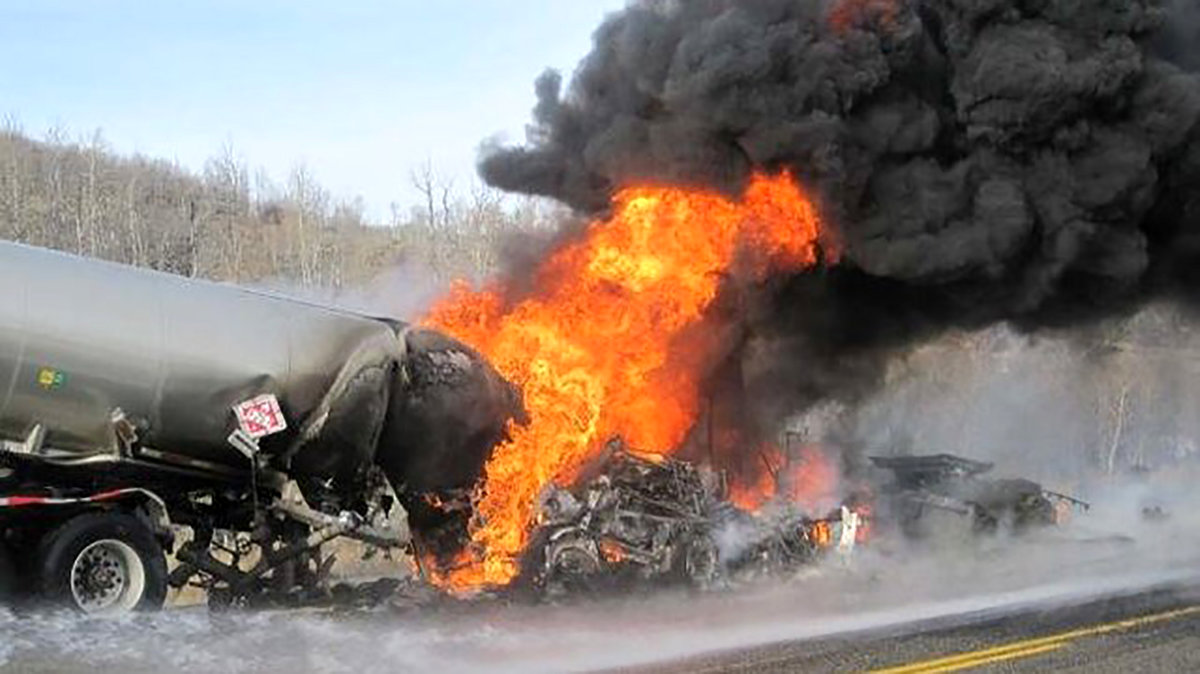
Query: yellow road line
{"type": "Point", "coordinates": [999, 652]}
{"type": "Point", "coordinates": [980, 662]}
{"type": "Point", "coordinates": [1029, 647]}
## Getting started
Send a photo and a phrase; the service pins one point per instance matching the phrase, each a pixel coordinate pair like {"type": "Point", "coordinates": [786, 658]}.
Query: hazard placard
{"type": "Point", "coordinates": [261, 416]}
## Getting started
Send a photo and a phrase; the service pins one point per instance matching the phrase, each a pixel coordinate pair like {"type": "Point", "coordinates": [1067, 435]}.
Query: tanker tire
{"type": "Point", "coordinates": [113, 540]}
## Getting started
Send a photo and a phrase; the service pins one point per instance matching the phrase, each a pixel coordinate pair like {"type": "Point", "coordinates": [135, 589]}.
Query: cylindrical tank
{"type": "Point", "coordinates": [80, 339]}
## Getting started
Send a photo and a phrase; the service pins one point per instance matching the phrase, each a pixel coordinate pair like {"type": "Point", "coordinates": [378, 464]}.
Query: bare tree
{"type": "Point", "coordinates": [77, 195]}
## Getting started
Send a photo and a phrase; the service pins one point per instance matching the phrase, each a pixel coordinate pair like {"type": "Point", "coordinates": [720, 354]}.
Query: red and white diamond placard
{"type": "Point", "coordinates": [261, 416]}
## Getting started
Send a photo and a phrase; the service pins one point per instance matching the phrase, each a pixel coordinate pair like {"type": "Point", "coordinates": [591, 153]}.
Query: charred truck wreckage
{"type": "Point", "coordinates": [631, 520]}
{"type": "Point", "coordinates": [951, 484]}
{"type": "Point", "coordinates": [634, 519]}
{"type": "Point", "coordinates": [785, 195]}
{"type": "Point", "coordinates": [266, 428]}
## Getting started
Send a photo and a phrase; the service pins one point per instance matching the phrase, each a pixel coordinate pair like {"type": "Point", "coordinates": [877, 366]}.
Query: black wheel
{"type": "Point", "coordinates": [573, 565]}
{"type": "Point", "coordinates": [103, 563]}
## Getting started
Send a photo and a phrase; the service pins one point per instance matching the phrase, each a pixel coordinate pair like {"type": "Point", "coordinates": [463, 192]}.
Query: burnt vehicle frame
{"type": "Point", "coordinates": [627, 520]}
{"type": "Point", "coordinates": [945, 483]}
{"type": "Point", "coordinates": [630, 519]}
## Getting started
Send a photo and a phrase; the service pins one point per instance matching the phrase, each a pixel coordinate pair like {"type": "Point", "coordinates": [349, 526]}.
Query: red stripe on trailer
{"type": "Point", "coordinates": [107, 495]}
{"type": "Point", "coordinates": [17, 501]}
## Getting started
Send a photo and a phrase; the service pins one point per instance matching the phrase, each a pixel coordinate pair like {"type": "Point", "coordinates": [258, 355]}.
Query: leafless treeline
{"type": "Point", "coordinates": [224, 224]}
{"type": "Point", "coordinates": [1118, 396]}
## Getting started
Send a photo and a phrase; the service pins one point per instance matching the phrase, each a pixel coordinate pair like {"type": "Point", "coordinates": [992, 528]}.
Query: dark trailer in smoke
{"type": "Point", "coordinates": [1031, 161]}
{"type": "Point", "coordinates": [950, 484]}
{"type": "Point", "coordinates": [133, 402]}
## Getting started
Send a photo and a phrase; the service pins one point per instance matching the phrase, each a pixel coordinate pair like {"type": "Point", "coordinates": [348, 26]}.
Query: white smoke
{"type": "Point", "coordinates": [403, 291]}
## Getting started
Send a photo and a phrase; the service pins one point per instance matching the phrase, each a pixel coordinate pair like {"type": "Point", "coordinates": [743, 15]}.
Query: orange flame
{"type": "Point", "coordinates": [822, 534]}
{"type": "Point", "coordinates": [811, 480]}
{"type": "Point", "coordinates": [865, 531]}
{"type": "Point", "coordinates": [808, 478]}
{"type": "Point", "coordinates": [752, 495]}
{"type": "Point", "coordinates": [613, 342]}
{"type": "Point", "coordinates": [612, 552]}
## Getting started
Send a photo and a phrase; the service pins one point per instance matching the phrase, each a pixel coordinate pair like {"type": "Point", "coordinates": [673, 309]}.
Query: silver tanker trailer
{"type": "Point", "coordinates": [137, 405]}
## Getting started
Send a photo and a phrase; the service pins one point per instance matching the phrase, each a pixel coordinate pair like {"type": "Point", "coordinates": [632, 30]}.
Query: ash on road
{"type": "Point", "coordinates": [889, 608]}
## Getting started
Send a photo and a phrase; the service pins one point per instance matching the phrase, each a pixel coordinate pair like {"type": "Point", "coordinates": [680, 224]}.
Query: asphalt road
{"type": "Point", "coordinates": [1045, 604]}
{"type": "Point", "coordinates": [1157, 631]}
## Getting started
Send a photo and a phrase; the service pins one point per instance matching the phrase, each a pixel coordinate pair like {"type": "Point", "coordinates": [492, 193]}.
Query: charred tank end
{"type": "Point", "coordinates": [340, 437]}
{"type": "Point", "coordinates": [446, 415]}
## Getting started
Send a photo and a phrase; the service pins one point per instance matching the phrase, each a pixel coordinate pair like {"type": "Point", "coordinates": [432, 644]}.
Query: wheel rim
{"type": "Point", "coordinates": [107, 577]}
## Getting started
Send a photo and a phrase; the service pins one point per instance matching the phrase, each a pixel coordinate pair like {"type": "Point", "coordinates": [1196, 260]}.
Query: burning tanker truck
{"type": "Point", "coordinates": [136, 404]}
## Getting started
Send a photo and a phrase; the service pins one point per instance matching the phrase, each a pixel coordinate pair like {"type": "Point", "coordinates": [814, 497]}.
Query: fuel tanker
{"type": "Point", "coordinates": [139, 409]}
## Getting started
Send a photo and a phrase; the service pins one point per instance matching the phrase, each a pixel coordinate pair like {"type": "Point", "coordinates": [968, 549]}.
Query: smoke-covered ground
{"type": "Point", "coordinates": [884, 589]}
{"type": "Point", "coordinates": [1041, 408]}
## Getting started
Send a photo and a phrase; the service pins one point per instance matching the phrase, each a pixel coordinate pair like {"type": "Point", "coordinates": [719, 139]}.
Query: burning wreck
{"type": "Point", "coordinates": [615, 343]}
{"type": "Point", "coordinates": [785, 196]}
{"type": "Point", "coordinates": [301, 424]}
{"type": "Point", "coordinates": [631, 520]}
{"type": "Point", "coordinates": [639, 519]}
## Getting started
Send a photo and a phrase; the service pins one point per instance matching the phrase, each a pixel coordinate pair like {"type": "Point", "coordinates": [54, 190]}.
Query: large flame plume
{"type": "Point", "coordinates": [614, 341]}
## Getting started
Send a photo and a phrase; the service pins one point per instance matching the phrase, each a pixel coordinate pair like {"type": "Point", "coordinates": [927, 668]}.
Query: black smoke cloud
{"type": "Point", "coordinates": [1032, 161]}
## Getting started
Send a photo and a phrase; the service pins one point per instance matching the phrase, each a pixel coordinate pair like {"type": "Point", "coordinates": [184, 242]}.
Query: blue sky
{"type": "Point", "coordinates": [359, 91]}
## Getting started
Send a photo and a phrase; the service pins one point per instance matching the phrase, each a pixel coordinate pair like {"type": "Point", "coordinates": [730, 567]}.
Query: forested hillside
{"type": "Point", "coordinates": [224, 223]}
